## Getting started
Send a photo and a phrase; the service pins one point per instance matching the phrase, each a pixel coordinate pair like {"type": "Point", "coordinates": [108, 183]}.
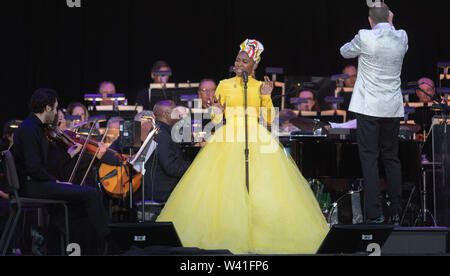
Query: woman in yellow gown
{"type": "Point", "coordinates": [211, 207]}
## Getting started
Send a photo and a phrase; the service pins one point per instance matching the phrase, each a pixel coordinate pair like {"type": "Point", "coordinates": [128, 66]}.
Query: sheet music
{"type": "Point", "coordinates": [348, 125]}
{"type": "Point", "coordinates": [144, 153]}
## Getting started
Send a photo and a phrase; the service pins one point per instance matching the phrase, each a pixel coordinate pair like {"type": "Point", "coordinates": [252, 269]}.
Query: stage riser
{"type": "Point", "coordinates": [416, 242]}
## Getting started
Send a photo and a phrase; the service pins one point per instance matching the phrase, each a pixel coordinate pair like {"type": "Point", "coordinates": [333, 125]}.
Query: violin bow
{"type": "Point", "coordinates": [93, 159]}
{"type": "Point", "coordinates": [82, 152]}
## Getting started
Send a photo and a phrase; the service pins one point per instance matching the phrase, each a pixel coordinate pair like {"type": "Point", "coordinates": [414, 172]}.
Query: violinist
{"type": "Point", "coordinates": [7, 139]}
{"type": "Point", "coordinates": [31, 153]}
{"type": "Point", "coordinates": [62, 164]}
{"type": "Point", "coordinates": [78, 109]}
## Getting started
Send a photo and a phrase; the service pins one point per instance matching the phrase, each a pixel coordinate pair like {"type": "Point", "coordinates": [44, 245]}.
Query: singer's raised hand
{"type": "Point", "coordinates": [218, 108]}
{"type": "Point", "coordinates": [267, 87]}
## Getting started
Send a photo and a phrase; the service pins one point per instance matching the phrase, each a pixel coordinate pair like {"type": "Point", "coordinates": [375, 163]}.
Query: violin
{"type": "Point", "coordinates": [57, 137]}
{"type": "Point", "coordinates": [93, 145]}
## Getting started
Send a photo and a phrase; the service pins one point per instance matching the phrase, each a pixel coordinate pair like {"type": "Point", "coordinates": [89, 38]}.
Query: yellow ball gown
{"type": "Point", "coordinates": [211, 207]}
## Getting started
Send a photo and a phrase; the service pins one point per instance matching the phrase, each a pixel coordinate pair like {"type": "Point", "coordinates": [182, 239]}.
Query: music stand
{"type": "Point", "coordinates": [116, 98]}
{"type": "Point", "coordinates": [189, 99]}
{"type": "Point", "coordinates": [274, 71]}
{"type": "Point", "coordinates": [139, 161]}
{"type": "Point", "coordinates": [94, 98]}
{"type": "Point", "coordinates": [173, 92]}
{"type": "Point", "coordinates": [444, 66]}
{"type": "Point", "coordinates": [335, 114]}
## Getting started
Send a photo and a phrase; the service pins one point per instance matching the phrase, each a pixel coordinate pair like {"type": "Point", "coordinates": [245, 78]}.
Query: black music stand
{"type": "Point", "coordinates": [441, 171]}
{"type": "Point", "coordinates": [139, 161]}
{"type": "Point", "coordinates": [130, 134]}
{"type": "Point", "coordinates": [172, 94]}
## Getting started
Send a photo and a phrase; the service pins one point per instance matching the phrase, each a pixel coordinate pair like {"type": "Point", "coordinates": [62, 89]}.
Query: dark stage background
{"type": "Point", "coordinates": [46, 44]}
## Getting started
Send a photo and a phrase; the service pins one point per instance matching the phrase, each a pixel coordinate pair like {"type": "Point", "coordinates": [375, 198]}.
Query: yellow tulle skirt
{"type": "Point", "coordinates": [211, 208]}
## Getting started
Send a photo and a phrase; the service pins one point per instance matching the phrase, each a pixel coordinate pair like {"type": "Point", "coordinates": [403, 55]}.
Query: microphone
{"type": "Point", "coordinates": [245, 76]}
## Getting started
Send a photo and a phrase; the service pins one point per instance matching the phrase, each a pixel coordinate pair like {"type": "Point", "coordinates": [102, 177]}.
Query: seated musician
{"type": "Point", "coordinates": [31, 153]}
{"type": "Point", "coordinates": [427, 86]}
{"type": "Point", "coordinates": [5, 144]}
{"type": "Point", "coordinates": [206, 92]}
{"type": "Point", "coordinates": [113, 130]}
{"type": "Point", "coordinates": [114, 122]}
{"type": "Point", "coordinates": [7, 139]}
{"type": "Point", "coordinates": [311, 105]}
{"type": "Point", "coordinates": [352, 72]}
{"type": "Point", "coordinates": [146, 127]}
{"type": "Point", "coordinates": [166, 166]}
{"type": "Point", "coordinates": [143, 96]}
{"type": "Point", "coordinates": [61, 164]}
{"type": "Point", "coordinates": [78, 109]}
{"type": "Point", "coordinates": [107, 88]}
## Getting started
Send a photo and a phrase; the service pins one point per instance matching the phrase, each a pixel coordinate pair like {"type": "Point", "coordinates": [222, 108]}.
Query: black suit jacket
{"type": "Point", "coordinates": [31, 150]}
{"type": "Point", "coordinates": [164, 169]}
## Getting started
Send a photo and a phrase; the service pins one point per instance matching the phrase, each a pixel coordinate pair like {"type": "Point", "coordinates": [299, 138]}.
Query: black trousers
{"type": "Point", "coordinates": [379, 136]}
{"type": "Point", "coordinates": [82, 200]}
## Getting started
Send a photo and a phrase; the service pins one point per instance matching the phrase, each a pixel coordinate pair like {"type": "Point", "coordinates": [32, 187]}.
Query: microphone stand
{"type": "Point", "coordinates": [247, 152]}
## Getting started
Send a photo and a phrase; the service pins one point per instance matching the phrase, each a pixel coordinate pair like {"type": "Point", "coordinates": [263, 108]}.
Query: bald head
{"type": "Point", "coordinates": [163, 107]}
{"type": "Point", "coordinates": [163, 112]}
{"type": "Point", "coordinates": [429, 88]}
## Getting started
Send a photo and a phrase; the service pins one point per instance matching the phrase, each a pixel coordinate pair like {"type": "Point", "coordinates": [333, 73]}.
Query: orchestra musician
{"type": "Point", "coordinates": [78, 109]}
{"type": "Point", "coordinates": [378, 102]}
{"type": "Point", "coordinates": [428, 86]}
{"type": "Point", "coordinates": [31, 151]}
{"type": "Point", "coordinates": [206, 92]}
{"type": "Point", "coordinates": [107, 88]}
{"type": "Point", "coordinates": [113, 129]}
{"type": "Point", "coordinates": [166, 165]}
{"type": "Point", "coordinates": [311, 105]}
{"type": "Point", "coordinates": [143, 96]}
{"type": "Point", "coordinates": [61, 164]}
{"type": "Point", "coordinates": [352, 72]}
{"type": "Point", "coordinates": [7, 139]}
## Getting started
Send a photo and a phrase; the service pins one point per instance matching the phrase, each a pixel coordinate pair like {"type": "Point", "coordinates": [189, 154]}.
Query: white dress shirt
{"type": "Point", "coordinates": [377, 91]}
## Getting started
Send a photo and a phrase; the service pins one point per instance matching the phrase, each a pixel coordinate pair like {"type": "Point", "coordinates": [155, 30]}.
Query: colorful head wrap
{"type": "Point", "coordinates": [253, 48]}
